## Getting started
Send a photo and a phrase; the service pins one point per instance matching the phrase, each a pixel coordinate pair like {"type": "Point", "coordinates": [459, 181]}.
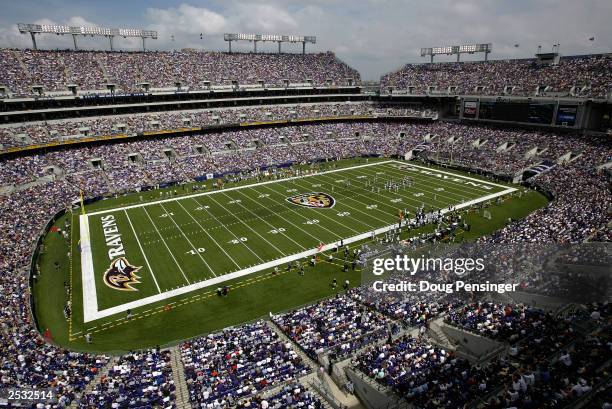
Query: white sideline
{"type": "Point", "coordinates": [90, 303]}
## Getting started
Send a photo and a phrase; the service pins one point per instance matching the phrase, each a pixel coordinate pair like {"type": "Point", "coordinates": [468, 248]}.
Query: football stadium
{"type": "Point", "coordinates": [238, 206]}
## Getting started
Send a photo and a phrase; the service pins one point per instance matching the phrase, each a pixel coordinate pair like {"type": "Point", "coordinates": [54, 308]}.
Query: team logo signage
{"type": "Point", "coordinates": [316, 199]}
{"type": "Point", "coordinates": [121, 275]}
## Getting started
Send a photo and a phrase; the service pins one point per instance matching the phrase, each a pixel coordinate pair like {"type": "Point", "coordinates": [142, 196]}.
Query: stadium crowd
{"type": "Point", "coordinates": [220, 152]}
{"type": "Point", "coordinates": [507, 151]}
{"type": "Point", "coordinates": [228, 367]}
{"type": "Point", "coordinates": [136, 380]}
{"type": "Point", "coordinates": [584, 76]}
{"type": "Point", "coordinates": [410, 309]}
{"type": "Point", "coordinates": [582, 199]}
{"type": "Point", "coordinates": [62, 130]}
{"type": "Point", "coordinates": [290, 396]}
{"type": "Point", "coordinates": [500, 321]}
{"type": "Point", "coordinates": [91, 71]}
{"type": "Point", "coordinates": [339, 324]}
{"type": "Point", "coordinates": [549, 365]}
{"type": "Point", "coordinates": [26, 359]}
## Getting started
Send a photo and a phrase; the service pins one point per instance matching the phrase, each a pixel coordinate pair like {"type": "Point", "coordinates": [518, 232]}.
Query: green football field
{"type": "Point", "coordinates": [162, 256]}
{"type": "Point", "coordinates": [144, 253]}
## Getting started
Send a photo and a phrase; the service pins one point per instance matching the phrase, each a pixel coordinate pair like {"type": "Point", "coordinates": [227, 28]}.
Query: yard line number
{"type": "Point", "coordinates": [277, 230]}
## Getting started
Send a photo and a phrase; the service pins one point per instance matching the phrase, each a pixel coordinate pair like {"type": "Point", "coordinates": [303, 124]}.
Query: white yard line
{"type": "Point", "coordinates": [209, 235]}
{"type": "Point", "coordinates": [228, 230]}
{"type": "Point", "coordinates": [165, 244]}
{"type": "Point", "coordinates": [414, 189]}
{"type": "Point", "coordinates": [355, 209]}
{"type": "Point", "coordinates": [430, 174]}
{"type": "Point", "coordinates": [194, 248]}
{"type": "Point", "coordinates": [321, 214]}
{"type": "Point", "coordinates": [451, 186]}
{"type": "Point", "coordinates": [250, 228]}
{"type": "Point", "coordinates": [279, 214]}
{"type": "Point", "coordinates": [370, 196]}
{"type": "Point", "coordinates": [142, 251]}
{"type": "Point", "coordinates": [300, 246]}
{"type": "Point", "coordinates": [431, 170]}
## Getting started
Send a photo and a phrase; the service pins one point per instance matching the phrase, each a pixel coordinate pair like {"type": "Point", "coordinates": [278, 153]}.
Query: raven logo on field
{"type": "Point", "coordinates": [314, 199]}
{"type": "Point", "coordinates": [121, 275]}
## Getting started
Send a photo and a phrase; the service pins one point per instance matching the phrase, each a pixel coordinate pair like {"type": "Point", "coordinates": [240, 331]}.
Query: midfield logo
{"type": "Point", "coordinates": [315, 199]}
{"type": "Point", "coordinates": [121, 275]}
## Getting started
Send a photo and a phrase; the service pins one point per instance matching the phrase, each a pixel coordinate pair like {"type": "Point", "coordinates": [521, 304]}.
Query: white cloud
{"type": "Point", "coordinates": [79, 21]}
{"type": "Point", "coordinates": [186, 19]}
{"type": "Point", "coordinates": [262, 18]}
{"type": "Point", "coordinates": [11, 38]}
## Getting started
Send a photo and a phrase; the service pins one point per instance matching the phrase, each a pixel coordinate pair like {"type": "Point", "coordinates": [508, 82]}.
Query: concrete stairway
{"type": "Point", "coordinates": [109, 183]}
{"type": "Point", "coordinates": [6, 190]}
{"type": "Point", "coordinates": [314, 366]}
{"type": "Point", "coordinates": [102, 68]}
{"type": "Point", "coordinates": [436, 333]}
{"type": "Point", "coordinates": [27, 72]}
{"type": "Point", "coordinates": [178, 376]}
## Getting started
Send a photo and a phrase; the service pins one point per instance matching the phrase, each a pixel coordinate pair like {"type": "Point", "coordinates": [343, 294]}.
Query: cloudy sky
{"type": "Point", "coordinates": [374, 36]}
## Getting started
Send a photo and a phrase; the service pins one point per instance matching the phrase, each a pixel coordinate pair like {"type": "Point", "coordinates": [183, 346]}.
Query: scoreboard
{"type": "Point", "coordinates": [518, 112]}
{"type": "Point", "coordinates": [545, 112]}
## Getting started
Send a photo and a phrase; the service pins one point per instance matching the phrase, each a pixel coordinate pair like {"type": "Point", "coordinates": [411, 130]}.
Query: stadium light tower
{"type": "Point", "coordinates": [255, 38]}
{"type": "Point", "coordinates": [110, 33]}
{"type": "Point", "coordinates": [457, 50]}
